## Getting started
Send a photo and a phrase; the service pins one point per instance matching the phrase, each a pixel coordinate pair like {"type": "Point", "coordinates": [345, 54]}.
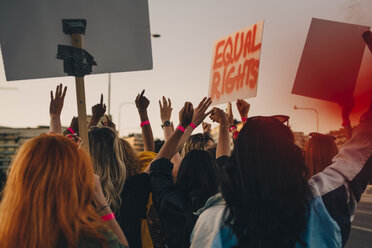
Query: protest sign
{"type": "Point", "coordinates": [330, 61]}
{"type": "Point", "coordinates": [117, 35]}
{"type": "Point", "coordinates": [235, 63]}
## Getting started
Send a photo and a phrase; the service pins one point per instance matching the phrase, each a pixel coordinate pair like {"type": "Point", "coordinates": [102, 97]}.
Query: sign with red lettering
{"type": "Point", "coordinates": [235, 63]}
{"type": "Point", "coordinates": [330, 61]}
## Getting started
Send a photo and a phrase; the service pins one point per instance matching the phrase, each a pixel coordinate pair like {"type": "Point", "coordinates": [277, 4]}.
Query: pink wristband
{"type": "Point", "coordinates": [145, 123]}
{"type": "Point", "coordinates": [244, 119]}
{"type": "Point", "coordinates": [193, 126]}
{"type": "Point", "coordinates": [181, 128]}
{"type": "Point", "coordinates": [108, 217]}
{"type": "Point", "coordinates": [71, 130]}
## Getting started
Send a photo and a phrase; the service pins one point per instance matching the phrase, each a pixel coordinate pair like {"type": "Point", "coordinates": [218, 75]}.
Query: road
{"type": "Point", "coordinates": [361, 230]}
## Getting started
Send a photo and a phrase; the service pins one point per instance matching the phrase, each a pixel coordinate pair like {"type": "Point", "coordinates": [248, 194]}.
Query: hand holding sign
{"type": "Point", "coordinates": [230, 115]}
{"type": "Point", "coordinates": [243, 108]}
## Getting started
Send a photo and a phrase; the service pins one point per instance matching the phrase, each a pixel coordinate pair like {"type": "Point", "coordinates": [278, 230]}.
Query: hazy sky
{"type": "Point", "coordinates": [182, 60]}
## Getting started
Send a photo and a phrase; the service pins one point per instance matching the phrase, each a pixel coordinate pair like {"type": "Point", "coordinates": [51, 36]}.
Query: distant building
{"type": "Point", "coordinates": [12, 138]}
{"type": "Point", "coordinates": [299, 137]}
{"type": "Point", "coordinates": [340, 136]}
{"type": "Point", "coordinates": [136, 141]}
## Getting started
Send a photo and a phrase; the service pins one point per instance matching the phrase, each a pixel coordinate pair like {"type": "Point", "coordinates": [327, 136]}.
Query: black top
{"type": "Point", "coordinates": [134, 198]}
{"type": "Point", "coordinates": [170, 204]}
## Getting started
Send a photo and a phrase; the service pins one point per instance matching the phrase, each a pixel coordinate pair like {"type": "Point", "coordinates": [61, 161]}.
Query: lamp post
{"type": "Point", "coordinates": [120, 107]}
{"type": "Point", "coordinates": [316, 112]}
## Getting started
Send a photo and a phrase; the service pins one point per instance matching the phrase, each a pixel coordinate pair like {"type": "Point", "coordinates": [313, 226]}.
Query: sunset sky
{"type": "Point", "coordinates": [182, 62]}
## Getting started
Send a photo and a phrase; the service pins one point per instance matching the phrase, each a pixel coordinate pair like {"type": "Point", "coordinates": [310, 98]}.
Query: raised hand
{"type": "Point", "coordinates": [199, 112]}
{"type": "Point", "coordinates": [165, 110]}
{"type": "Point", "coordinates": [108, 123]}
{"type": "Point", "coordinates": [99, 109]}
{"type": "Point", "coordinates": [206, 127]}
{"type": "Point", "coordinates": [56, 102]}
{"type": "Point", "coordinates": [186, 114]}
{"type": "Point", "coordinates": [142, 102]}
{"type": "Point", "coordinates": [75, 124]}
{"type": "Point", "coordinates": [243, 108]}
{"type": "Point", "coordinates": [218, 115]}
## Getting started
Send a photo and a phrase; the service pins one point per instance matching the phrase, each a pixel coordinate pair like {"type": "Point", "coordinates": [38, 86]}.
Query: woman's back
{"type": "Point", "coordinates": [330, 202]}
{"type": "Point", "coordinates": [47, 197]}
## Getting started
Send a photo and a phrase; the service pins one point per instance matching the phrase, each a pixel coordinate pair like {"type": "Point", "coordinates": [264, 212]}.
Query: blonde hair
{"type": "Point", "coordinates": [47, 197]}
{"type": "Point", "coordinates": [319, 152]}
{"type": "Point", "coordinates": [108, 164]}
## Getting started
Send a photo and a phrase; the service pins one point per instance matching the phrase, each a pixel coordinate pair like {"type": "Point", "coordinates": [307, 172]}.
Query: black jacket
{"type": "Point", "coordinates": [171, 204]}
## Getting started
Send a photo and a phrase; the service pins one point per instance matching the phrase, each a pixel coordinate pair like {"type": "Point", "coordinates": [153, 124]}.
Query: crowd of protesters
{"type": "Point", "coordinates": [250, 188]}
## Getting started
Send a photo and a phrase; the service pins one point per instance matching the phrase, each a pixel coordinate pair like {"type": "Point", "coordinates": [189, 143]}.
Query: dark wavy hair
{"type": "Point", "coordinates": [197, 178]}
{"type": "Point", "coordinates": [265, 187]}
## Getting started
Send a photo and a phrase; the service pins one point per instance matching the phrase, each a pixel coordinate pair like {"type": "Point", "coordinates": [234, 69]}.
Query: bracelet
{"type": "Point", "coordinates": [181, 128]}
{"type": "Point", "coordinates": [193, 126]}
{"type": "Point", "coordinates": [145, 123]}
{"type": "Point", "coordinates": [71, 130]}
{"type": "Point", "coordinates": [108, 217]}
{"type": "Point", "coordinates": [102, 208]}
{"type": "Point", "coordinates": [232, 128]}
{"type": "Point", "coordinates": [244, 119]}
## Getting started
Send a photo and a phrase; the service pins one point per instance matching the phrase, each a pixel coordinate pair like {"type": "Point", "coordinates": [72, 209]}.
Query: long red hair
{"type": "Point", "coordinates": [319, 152]}
{"type": "Point", "coordinates": [47, 197]}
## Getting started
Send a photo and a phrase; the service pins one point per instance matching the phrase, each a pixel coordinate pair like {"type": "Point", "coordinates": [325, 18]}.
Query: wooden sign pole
{"type": "Point", "coordinates": [76, 40]}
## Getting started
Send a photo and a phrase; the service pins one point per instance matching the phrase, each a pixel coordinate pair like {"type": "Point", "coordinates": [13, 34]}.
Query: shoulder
{"type": "Point", "coordinates": [210, 229]}
{"type": "Point", "coordinates": [145, 158]}
{"type": "Point", "coordinates": [111, 240]}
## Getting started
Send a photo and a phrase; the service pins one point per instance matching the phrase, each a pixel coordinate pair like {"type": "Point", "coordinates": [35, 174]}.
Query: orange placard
{"type": "Point", "coordinates": [235, 63]}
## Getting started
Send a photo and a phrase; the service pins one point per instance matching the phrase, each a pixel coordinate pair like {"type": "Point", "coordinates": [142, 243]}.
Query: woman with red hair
{"type": "Point", "coordinates": [47, 199]}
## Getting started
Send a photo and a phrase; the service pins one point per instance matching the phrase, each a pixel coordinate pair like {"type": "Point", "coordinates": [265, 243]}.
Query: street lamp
{"type": "Point", "coordinates": [120, 106]}
{"type": "Point", "coordinates": [316, 112]}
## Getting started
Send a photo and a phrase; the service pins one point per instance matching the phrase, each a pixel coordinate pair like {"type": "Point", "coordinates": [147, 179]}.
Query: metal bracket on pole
{"type": "Point", "coordinates": [77, 62]}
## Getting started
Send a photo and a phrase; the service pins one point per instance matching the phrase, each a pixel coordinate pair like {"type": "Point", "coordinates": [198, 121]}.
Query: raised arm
{"type": "Point", "coordinates": [243, 108]}
{"type": "Point", "coordinates": [342, 183]}
{"type": "Point", "coordinates": [170, 147]}
{"type": "Point", "coordinates": [168, 129]}
{"type": "Point", "coordinates": [346, 109]}
{"type": "Point", "coordinates": [223, 145]}
{"type": "Point", "coordinates": [55, 109]}
{"type": "Point", "coordinates": [73, 129]}
{"type": "Point", "coordinates": [98, 111]}
{"type": "Point", "coordinates": [165, 116]}
{"type": "Point", "coordinates": [148, 139]}
{"type": "Point", "coordinates": [232, 127]}
{"type": "Point", "coordinates": [199, 115]}
{"type": "Point", "coordinates": [105, 212]}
